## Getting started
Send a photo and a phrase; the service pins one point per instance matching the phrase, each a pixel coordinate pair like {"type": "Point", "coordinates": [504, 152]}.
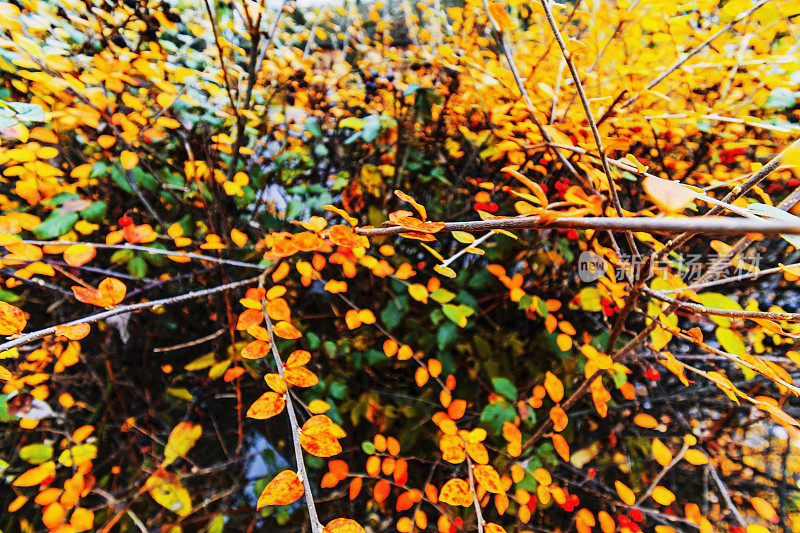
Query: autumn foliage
{"type": "Point", "coordinates": [444, 266]}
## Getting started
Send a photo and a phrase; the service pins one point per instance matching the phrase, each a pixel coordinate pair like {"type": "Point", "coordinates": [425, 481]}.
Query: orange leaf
{"type": "Point", "coordinates": [110, 292]}
{"type": "Point", "coordinates": [695, 457]}
{"type": "Point", "coordinates": [456, 492]}
{"type": "Point", "coordinates": [285, 330]}
{"type": "Point", "coordinates": [764, 509]}
{"type": "Point", "coordinates": [300, 377]}
{"type": "Point", "coordinates": [268, 405]}
{"type": "Point", "coordinates": [74, 333]}
{"type": "Point", "coordinates": [12, 319]}
{"type": "Point", "coordinates": [669, 196]}
{"type": "Point", "coordinates": [355, 487]}
{"type": "Point", "coordinates": [488, 478]}
{"type": "Point", "coordinates": [407, 198]}
{"type": "Point", "coordinates": [255, 350]}
{"type": "Point", "coordinates": [381, 490]}
{"type": "Point", "coordinates": [344, 236]}
{"type": "Point", "coordinates": [139, 234]}
{"type": "Point", "coordinates": [500, 16]}
{"type": "Point", "coordinates": [561, 446]}
{"type": "Point", "coordinates": [342, 213]}
{"type": "Point", "coordinates": [554, 387]}
{"type": "Point", "coordinates": [663, 496]}
{"type": "Point", "coordinates": [285, 488]}
{"type": "Point", "coordinates": [298, 358]}
{"type": "Point", "coordinates": [37, 475]}
{"type": "Point", "coordinates": [644, 420]}
{"type": "Point", "coordinates": [278, 309]}
{"type": "Point", "coordinates": [559, 418]}
{"type": "Point", "coordinates": [417, 225]}
{"type": "Point", "coordinates": [625, 494]}
{"type": "Point", "coordinates": [82, 433]}
{"type": "Point", "coordinates": [452, 448]}
{"type": "Point", "coordinates": [343, 525]}
{"type": "Point", "coordinates": [232, 373]}
{"type": "Point", "coordinates": [79, 254]}
{"type": "Point", "coordinates": [320, 436]}
{"type": "Point", "coordinates": [249, 318]}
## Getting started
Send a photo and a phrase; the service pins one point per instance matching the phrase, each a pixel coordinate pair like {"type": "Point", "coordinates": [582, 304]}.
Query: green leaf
{"type": "Point", "coordinates": [8, 296]}
{"type": "Point", "coordinates": [494, 414]}
{"type": "Point", "coordinates": [442, 295]}
{"type": "Point", "coordinates": [504, 387]}
{"type": "Point", "coordinates": [446, 335]}
{"type": "Point", "coordinates": [56, 225]}
{"type": "Point", "coordinates": [137, 267]}
{"type": "Point", "coordinates": [36, 454]}
{"type": "Point", "coordinates": [367, 447]}
{"type": "Point", "coordinates": [455, 314]}
{"type": "Point", "coordinates": [95, 213]}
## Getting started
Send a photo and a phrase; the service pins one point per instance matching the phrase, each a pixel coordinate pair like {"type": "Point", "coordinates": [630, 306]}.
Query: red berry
{"type": "Point", "coordinates": [492, 207]}
{"type": "Point", "coordinates": [652, 374]}
{"type": "Point", "coordinates": [125, 221]}
{"type": "Point", "coordinates": [636, 515]}
{"type": "Point", "coordinates": [572, 235]}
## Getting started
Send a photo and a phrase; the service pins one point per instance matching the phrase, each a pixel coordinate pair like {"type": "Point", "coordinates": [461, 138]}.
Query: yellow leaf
{"type": "Point", "coordinates": [182, 439]}
{"type": "Point", "coordinates": [498, 13]}
{"type": "Point", "coordinates": [625, 494]}
{"type": "Point", "coordinates": [165, 488]}
{"type": "Point", "coordinates": [695, 457]}
{"type": "Point", "coordinates": [78, 454]}
{"type": "Point", "coordinates": [418, 292]}
{"type": "Point", "coordinates": [663, 496]}
{"type": "Point", "coordinates": [669, 196]}
{"type": "Point", "coordinates": [661, 453]}
{"type": "Point", "coordinates": [463, 237]}
{"type": "Point", "coordinates": [128, 159]}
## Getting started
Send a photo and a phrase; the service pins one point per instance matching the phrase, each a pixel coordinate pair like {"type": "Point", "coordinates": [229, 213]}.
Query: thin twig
{"type": "Point", "coordinates": [675, 460]}
{"type": "Point", "coordinates": [30, 337]}
{"type": "Point", "coordinates": [478, 514]}
{"type": "Point", "coordinates": [732, 313]}
{"type": "Point", "coordinates": [612, 188]}
{"type": "Point", "coordinates": [726, 495]}
{"type": "Point", "coordinates": [316, 526]}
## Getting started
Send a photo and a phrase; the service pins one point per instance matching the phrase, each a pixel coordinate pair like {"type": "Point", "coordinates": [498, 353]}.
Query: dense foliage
{"type": "Point", "coordinates": [465, 263]}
